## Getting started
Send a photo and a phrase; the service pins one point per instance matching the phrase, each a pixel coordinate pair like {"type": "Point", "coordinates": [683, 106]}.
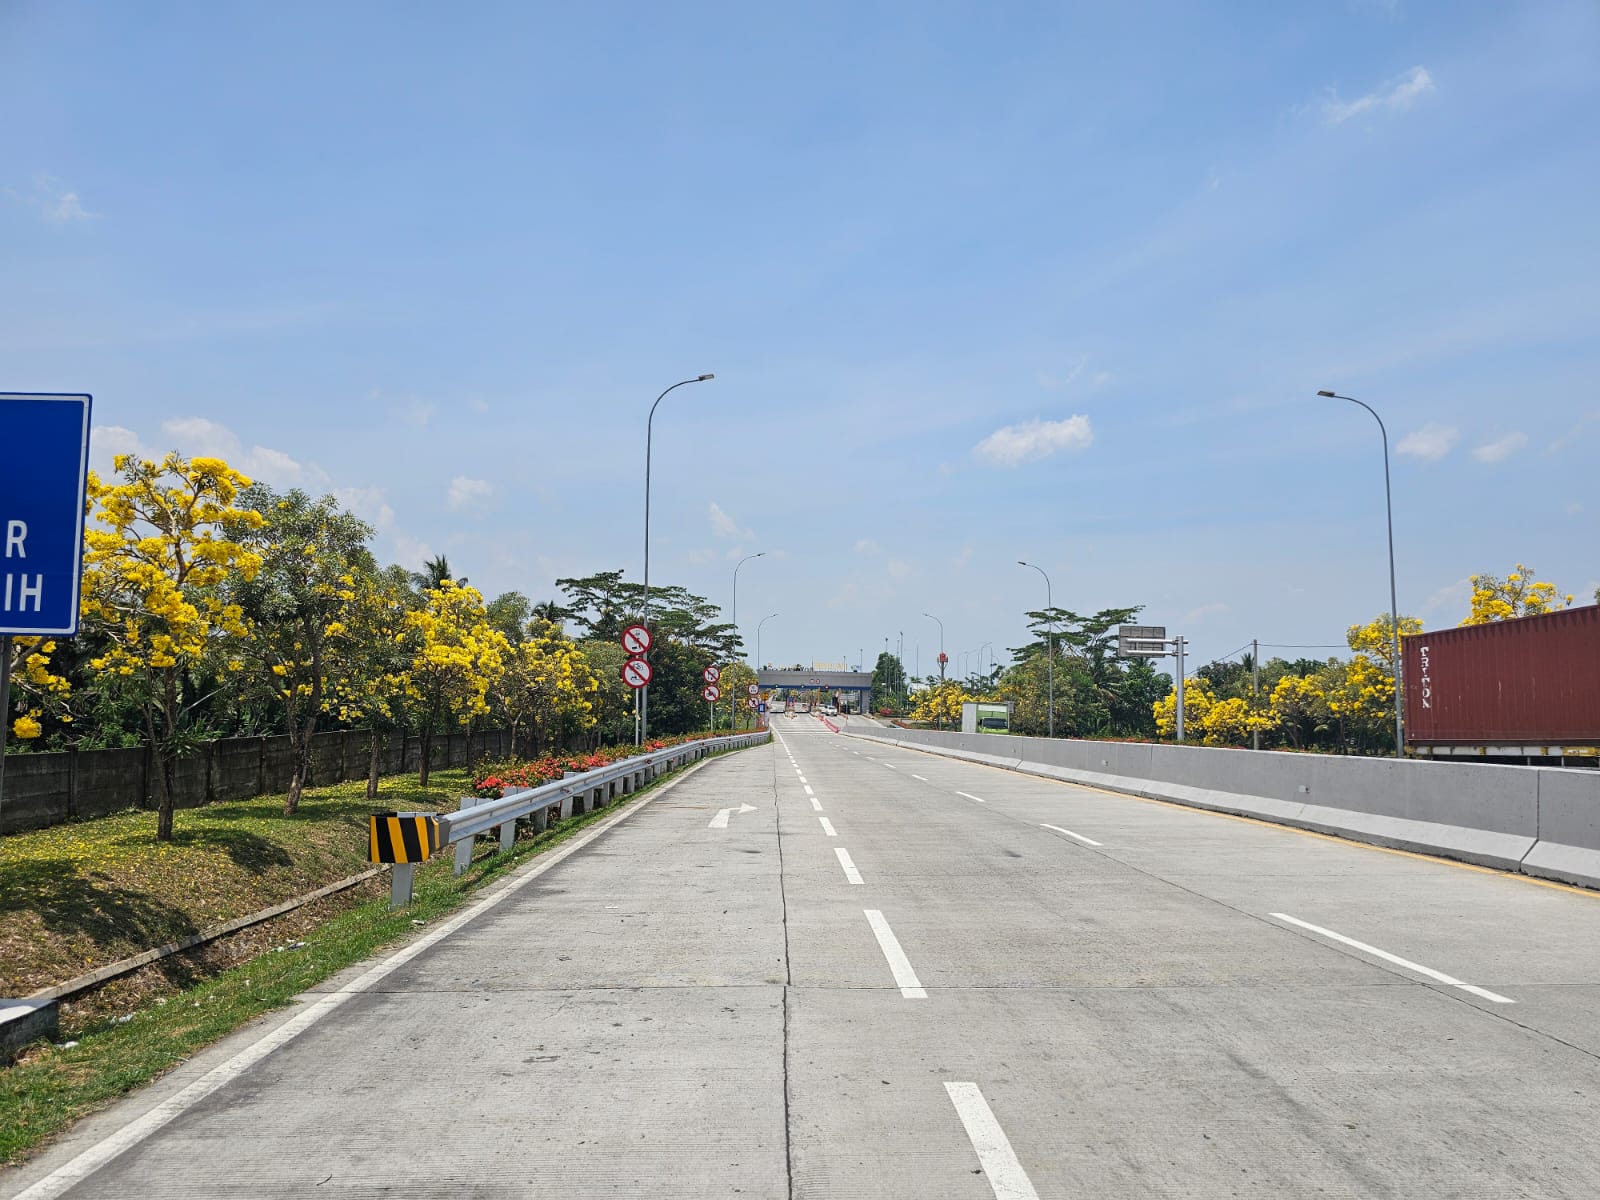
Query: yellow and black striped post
{"type": "Point", "coordinates": [403, 837]}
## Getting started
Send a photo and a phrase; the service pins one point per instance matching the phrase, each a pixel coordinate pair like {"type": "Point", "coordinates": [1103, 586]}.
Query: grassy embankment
{"type": "Point", "coordinates": [74, 897]}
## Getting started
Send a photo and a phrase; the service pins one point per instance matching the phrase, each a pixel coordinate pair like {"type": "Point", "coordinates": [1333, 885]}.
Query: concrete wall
{"type": "Point", "coordinates": [46, 789]}
{"type": "Point", "coordinates": [1538, 820]}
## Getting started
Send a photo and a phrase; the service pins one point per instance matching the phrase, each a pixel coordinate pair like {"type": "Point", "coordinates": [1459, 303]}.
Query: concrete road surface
{"type": "Point", "coordinates": [830, 968]}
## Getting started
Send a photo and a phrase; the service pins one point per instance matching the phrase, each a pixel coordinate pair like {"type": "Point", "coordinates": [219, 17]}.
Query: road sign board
{"type": "Point", "coordinates": [753, 702]}
{"type": "Point", "coordinates": [636, 639]}
{"type": "Point", "coordinates": [761, 708]}
{"type": "Point", "coordinates": [42, 487]}
{"type": "Point", "coordinates": [1142, 641]}
{"type": "Point", "coordinates": [711, 674]}
{"type": "Point", "coordinates": [753, 689]}
{"type": "Point", "coordinates": [636, 672]}
{"type": "Point", "coordinates": [711, 693]}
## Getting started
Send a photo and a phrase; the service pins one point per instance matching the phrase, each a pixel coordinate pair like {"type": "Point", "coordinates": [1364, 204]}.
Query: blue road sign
{"type": "Point", "coordinates": [43, 476]}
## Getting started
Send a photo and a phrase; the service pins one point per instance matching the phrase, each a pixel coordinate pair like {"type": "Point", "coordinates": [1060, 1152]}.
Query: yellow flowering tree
{"type": "Point", "coordinates": [1299, 708]}
{"type": "Point", "coordinates": [161, 543]}
{"type": "Point", "coordinates": [372, 685]}
{"type": "Point", "coordinates": [458, 656]}
{"type": "Point", "coordinates": [1517, 595]}
{"type": "Point", "coordinates": [547, 687]}
{"type": "Point", "coordinates": [298, 608]}
{"type": "Point", "coordinates": [941, 704]}
{"type": "Point", "coordinates": [1197, 702]}
{"type": "Point", "coordinates": [1230, 722]}
{"type": "Point", "coordinates": [38, 687]}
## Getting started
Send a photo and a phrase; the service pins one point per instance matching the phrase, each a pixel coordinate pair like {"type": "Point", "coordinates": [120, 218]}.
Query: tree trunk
{"type": "Point", "coordinates": [374, 742]}
{"type": "Point", "coordinates": [427, 756]}
{"type": "Point", "coordinates": [166, 765]}
{"type": "Point", "coordinates": [297, 780]}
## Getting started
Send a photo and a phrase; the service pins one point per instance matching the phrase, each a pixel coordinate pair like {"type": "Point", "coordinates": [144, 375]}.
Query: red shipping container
{"type": "Point", "coordinates": [1527, 681]}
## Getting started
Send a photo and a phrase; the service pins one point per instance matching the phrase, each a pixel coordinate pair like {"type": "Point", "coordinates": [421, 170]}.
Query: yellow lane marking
{"type": "Point", "coordinates": [1517, 876]}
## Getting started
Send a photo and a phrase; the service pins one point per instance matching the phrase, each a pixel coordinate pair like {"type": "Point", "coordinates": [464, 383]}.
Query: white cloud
{"type": "Point", "coordinates": [196, 437]}
{"type": "Point", "coordinates": [1500, 448]}
{"type": "Point", "coordinates": [1574, 508]}
{"type": "Point", "coordinates": [1395, 94]}
{"type": "Point", "coordinates": [1012, 445]}
{"type": "Point", "coordinates": [1430, 443]}
{"type": "Point", "coordinates": [52, 201]}
{"type": "Point", "coordinates": [725, 526]}
{"type": "Point", "coordinates": [413, 411]}
{"type": "Point", "coordinates": [898, 568]}
{"type": "Point", "coordinates": [410, 553]}
{"type": "Point", "coordinates": [108, 441]}
{"type": "Point", "coordinates": [1061, 382]}
{"type": "Point", "coordinates": [467, 493]}
{"type": "Point", "coordinates": [1455, 596]}
{"type": "Point", "coordinates": [368, 504]}
{"type": "Point", "coordinates": [866, 546]}
{"type": "Point", "coordinates": [702, 556]}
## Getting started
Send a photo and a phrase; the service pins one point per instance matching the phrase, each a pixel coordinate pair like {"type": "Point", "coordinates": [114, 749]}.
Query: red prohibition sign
{"type": "Point", "coordinates": [711, 674]}
{"type": "Point", "coordinates": [711, 693]}
{"type": "Point", "coordinates": [636, 673]}
{"type": "Point", "coordinates": [636, 639]}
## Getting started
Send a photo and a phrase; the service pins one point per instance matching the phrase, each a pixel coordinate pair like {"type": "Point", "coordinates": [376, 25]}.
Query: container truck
{"type": "Point", "coordinates": [1525, 690]}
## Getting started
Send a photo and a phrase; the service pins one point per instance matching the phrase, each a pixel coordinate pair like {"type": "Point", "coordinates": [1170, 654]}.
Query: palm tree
{"type": "Point", "coordinates": [434, 572]}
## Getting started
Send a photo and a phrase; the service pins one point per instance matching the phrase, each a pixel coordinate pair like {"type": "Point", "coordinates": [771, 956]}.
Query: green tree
{"type": "Point", "coordinates": [888, 682]}
{"type": "Point", "coordinates": [297, 606]}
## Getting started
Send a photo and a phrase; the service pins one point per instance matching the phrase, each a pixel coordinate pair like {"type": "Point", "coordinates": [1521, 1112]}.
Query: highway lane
{"type": "Point", "coordinates": [887, 977]}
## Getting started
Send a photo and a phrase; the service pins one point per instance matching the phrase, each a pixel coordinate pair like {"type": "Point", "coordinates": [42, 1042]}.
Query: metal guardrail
{"type": "Point", "coordinates": [569, 796]}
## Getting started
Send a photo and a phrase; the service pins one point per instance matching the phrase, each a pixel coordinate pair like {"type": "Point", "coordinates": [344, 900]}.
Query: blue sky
{"type": "Point", "coordinates": [978, 283]}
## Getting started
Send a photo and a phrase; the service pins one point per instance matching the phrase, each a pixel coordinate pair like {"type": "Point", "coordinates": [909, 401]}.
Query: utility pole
{"type": "Point", "coordinates": [1255, 691]}
{"type": "Point", "coordinates": [1178, 642]}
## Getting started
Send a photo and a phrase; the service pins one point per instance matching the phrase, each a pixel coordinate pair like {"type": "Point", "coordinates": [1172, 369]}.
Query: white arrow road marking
{"type": "Point", "coordinates": [1070, 834]}
{"type": "Point", "coordinates": [899, 965]}
{"type": "Point", "coordinates": [827, 827]}
{"type": "Point", "coordinates": [1000, 1166]}
{"type": "Point", "coordinates": [1396, 959]}
{"type": "Point", "coordinates": [970, 796]}
{"type": "Point", "coordinates": [850, 873]}
{"type": "Point", "coordinates": [720, 821]}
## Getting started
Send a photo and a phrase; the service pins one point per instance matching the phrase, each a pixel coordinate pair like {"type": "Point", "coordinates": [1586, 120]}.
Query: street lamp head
{"type": "Point", "coordinates": [1022, 562]}
{"type": "Point", "coordinates": [1330, 395]}
{"type": "Point", "coordinates": [703, 378]}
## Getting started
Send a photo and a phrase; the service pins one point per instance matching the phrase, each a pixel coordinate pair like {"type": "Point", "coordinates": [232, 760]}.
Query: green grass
{"type": "Point", "coordinates": [77, 896]}
{"type": "Point", "coordinates": [50, 1086]}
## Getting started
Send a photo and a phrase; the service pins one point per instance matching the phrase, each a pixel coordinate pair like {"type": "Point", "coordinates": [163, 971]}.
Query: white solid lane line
{"type": "Point", "coordinates": [1070, 834]}
{"type": "Point", "coordinates": [850, 873]}
{"type": "Point", "coordinates": [816, 804]}
{"type": "Point", "coordinates": [1440, 976]}
{"type": "Point", "coordinates": [970, 796]}
{"type": "Point", "coordinates": [1000, 1166]}
{"type": "Point", "coordinates": [827, 827]}
{"type": "Point", "coordinates": [899, 965]}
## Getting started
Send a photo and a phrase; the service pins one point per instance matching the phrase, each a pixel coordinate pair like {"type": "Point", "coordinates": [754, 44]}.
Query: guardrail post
{"type": "Point", "coordinates": [508, 835]}
{"type": "Point", "coordinates": [400, 885]}
{"type": "Point", "coordinates": [541, 819]}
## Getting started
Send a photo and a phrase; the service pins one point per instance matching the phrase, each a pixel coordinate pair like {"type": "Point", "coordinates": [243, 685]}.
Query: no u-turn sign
{"type": "Point", "coordinates": [42, 482]}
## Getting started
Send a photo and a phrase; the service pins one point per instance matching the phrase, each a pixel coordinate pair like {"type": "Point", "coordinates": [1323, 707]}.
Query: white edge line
{"type": "Point", "coordinates": [1070, 834]}
{"type": "Point", "coordinates": [827, 827]}
{"type": "Point", "coordinates": [899, 965]}
{"type": "Point", "coordinates": [1006, 1177]}
{"type": "Point", "coordinates": [850, 873]}
{"type": "Point", "coordinates": [85, 1164]}
{"type": "Point", "coordinates": [970, 796]}
{"type": "Point", "coordinates": [1440, 976]}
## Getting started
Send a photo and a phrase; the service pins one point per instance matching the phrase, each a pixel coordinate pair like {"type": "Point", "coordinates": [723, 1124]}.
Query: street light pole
{"type": "Point", "coordinates": [759, 624]}
{"type": "Point", "coordinates": [1050, 658]}
{"type": "Point", "coordinates": [733, 700]}
{"type": "Point", "coordinates": [1394, 608]}
{"type": "Point", "coordinates": [643, 693]}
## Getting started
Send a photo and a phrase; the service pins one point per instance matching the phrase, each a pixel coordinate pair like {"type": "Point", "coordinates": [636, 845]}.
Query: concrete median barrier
{"type": "Point", "coordinates": [1541, 820]}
